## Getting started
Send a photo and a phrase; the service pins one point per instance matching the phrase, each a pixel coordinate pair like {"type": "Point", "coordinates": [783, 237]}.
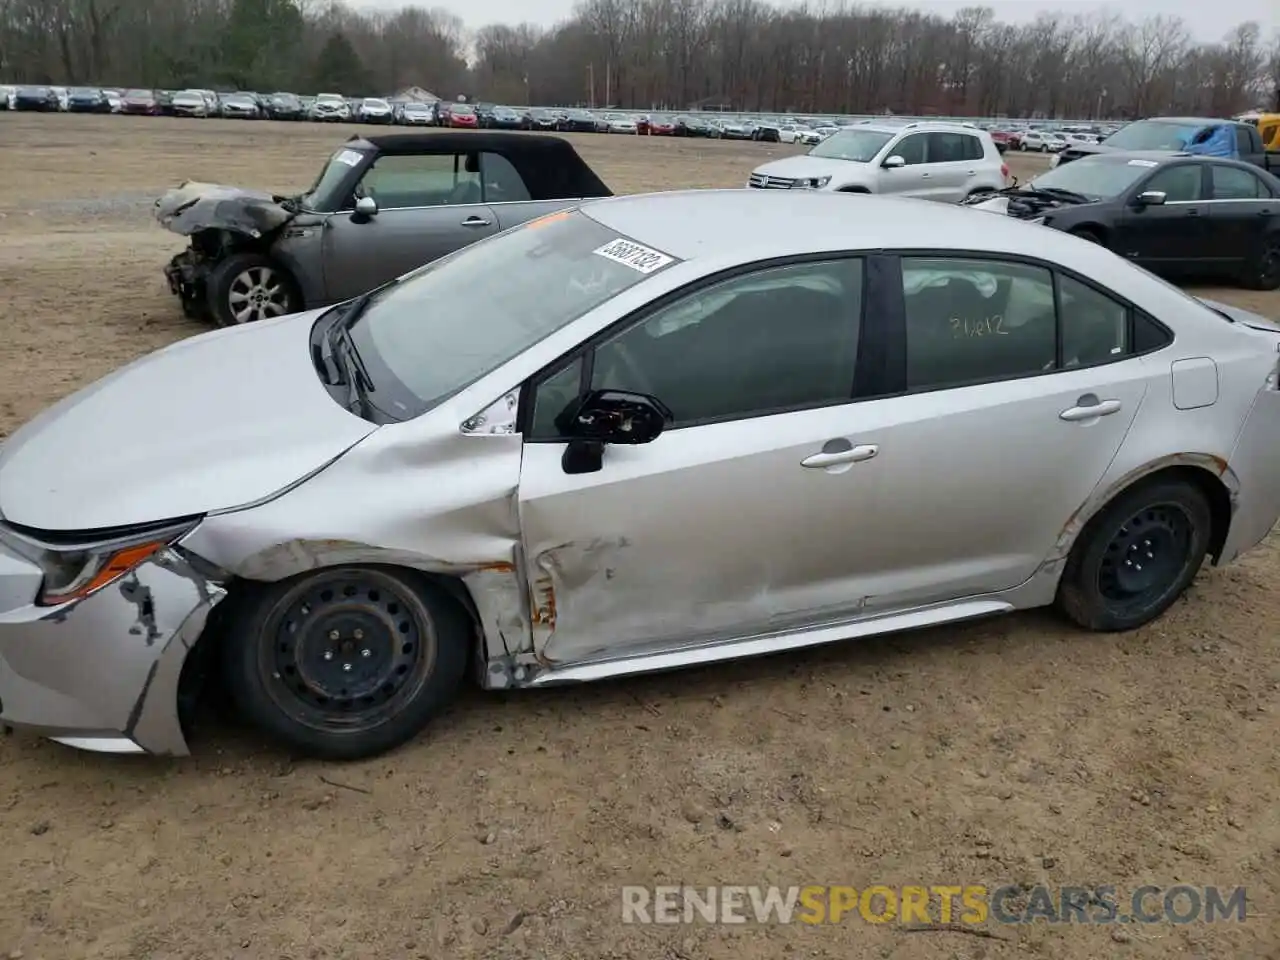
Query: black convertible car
{"type": "Point", "coordinates": [1171, 213]}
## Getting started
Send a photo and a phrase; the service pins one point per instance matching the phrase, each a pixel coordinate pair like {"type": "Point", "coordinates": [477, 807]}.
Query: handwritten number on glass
{"type": "Point", "coordinates": [981, 327]}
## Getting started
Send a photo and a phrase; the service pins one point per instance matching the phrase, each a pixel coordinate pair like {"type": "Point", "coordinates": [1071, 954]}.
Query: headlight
{"type": "Point", "coordinates": [810, 183]}
{"type": "Point", "coordinates": [73, 571]}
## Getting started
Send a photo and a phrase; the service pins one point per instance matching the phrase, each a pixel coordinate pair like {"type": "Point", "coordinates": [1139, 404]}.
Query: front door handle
{"type": "Point", "coordinates": [853, 455]}
{"type": "Point", "coordinates": [1193, 212]}
{"type": "Point", "coordinates": [476, 222]}
{"type": "Point", "coordinates": [1102, 408]}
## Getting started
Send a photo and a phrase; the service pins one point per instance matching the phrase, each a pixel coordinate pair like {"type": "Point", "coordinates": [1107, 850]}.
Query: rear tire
{"type": "Point", "coordinates": [345, 663]}
{"type": "Point", "coordinates": [246, 287]}
{"type": "Point", "coordinates": [1136, 557]}
{"type": "Point", "coordinates": [1263, 273]}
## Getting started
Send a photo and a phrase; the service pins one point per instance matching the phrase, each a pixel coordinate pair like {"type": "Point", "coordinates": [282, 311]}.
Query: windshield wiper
{"type": "Point", "coordinates": [1059, 194]}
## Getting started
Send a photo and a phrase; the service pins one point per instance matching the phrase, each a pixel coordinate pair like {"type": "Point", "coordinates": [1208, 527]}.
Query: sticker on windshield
{"type": "Point", "coordinates": [1143, 163]}
{"type": "Point", "coordinates": [349, 157]}
{"type": "Point", "coordinates": [633, 255]}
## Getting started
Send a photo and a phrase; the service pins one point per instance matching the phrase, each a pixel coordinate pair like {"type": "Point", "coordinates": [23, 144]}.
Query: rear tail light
{"type": "Point", "coordinates": [1004, 170]}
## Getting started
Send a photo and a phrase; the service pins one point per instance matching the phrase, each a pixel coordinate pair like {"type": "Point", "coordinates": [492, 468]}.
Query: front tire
{"type": "Point", "coordinates": [246, 287]}
{"type": "Point", "coordinates": [1136, 557]}
{"type": "Point", "coordinates": [345, 663]}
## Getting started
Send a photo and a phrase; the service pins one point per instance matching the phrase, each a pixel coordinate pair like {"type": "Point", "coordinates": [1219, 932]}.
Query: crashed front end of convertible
{"type": "Point", "coordinates": [219, 220]}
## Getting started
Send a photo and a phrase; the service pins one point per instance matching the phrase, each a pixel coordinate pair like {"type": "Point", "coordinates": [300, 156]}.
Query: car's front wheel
{"type": "Point", "coordinates": [345, 663]}
{"type": "Point", "coordinates": [1137, 556]}
{"type": "Point", "coordinates": [246, 287]}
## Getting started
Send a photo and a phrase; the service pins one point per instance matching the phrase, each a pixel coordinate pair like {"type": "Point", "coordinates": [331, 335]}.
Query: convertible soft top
{"type": "Point", "coordinates": [549, 166]}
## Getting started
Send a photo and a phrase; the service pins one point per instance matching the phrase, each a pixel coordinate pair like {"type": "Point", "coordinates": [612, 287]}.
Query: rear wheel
{"type": "Point", "coordinates": [1087, 233]}
{"type": "Point", "coordinates": [1263, 273]}
{"type": "Point", "coordinates": [246, 287]}
{"type": "Point", "coordinates": [1136, 557]}
{"type": "Point", "coordinates": [345, 663]}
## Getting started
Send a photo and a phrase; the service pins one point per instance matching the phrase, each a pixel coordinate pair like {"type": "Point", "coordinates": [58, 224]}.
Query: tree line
{"type": "Point", "coordinates": [671, 54]}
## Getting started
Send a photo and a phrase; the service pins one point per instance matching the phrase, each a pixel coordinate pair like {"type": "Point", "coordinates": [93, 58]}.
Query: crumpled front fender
{"type": "Point", "coordinates": [193, 207]}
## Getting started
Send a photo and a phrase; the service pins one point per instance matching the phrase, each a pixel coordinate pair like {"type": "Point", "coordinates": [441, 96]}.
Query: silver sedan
{"type": "Point", "coordinates": [650, 432]}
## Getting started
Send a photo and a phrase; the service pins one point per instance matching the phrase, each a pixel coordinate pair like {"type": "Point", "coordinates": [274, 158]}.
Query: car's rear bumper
{"type": "Point", "coordinates": [102, 673]}
{"type": "Point", "coordinates": [1255, 464]}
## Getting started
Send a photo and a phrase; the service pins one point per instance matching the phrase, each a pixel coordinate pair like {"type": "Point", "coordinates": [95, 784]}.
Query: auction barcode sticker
{"type": "Point", "coordinates": [633, 255]}
{"type": "Point", "coordinates": [349, 157]}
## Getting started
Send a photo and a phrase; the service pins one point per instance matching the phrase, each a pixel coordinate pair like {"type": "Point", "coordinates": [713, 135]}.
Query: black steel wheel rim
{"type": "Point", "coordinates": [1269, 268]}
{"type": "Point", "coordinates": [345, 653]}
{"type": "Point", "coordinates": [1146, 556]}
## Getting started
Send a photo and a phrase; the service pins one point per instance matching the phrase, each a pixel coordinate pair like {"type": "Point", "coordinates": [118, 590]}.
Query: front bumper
{"type": "Point", "coordinates": [102, 673]}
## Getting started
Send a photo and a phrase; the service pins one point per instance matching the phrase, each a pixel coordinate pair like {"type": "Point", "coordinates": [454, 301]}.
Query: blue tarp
{"type": "Point", "coordinates": [1220, 142]}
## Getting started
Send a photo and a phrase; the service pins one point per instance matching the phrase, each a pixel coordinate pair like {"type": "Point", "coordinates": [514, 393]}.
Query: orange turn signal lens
{"type": "Point", "coordinates": [100, 571]}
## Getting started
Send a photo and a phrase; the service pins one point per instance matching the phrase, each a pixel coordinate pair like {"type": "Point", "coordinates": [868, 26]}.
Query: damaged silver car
{"type": "Point", "coordinates": [380, 207]}
{"type": "Point", "coordinates": [683, 428]}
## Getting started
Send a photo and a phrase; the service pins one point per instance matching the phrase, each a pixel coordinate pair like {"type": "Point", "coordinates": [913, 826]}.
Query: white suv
{"type": "Point", "coordinates": [930, 160]}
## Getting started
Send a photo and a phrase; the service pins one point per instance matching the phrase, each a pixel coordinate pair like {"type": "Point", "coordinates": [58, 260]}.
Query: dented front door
{"type": "Point", "coordinates": [709, 532]}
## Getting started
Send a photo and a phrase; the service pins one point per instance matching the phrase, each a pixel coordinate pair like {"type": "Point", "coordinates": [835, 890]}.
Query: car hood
{"type": "Point", "coordinates": [1022, 204]}
{"type": "Point", "coordinates": [192, 207]}
{"type": "Point", "coordinates": [210, 423]}
{"type": "Point", "coordinates": [805, 167]}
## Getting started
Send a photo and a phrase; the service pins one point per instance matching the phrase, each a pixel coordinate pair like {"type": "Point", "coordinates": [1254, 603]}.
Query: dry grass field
{"type": "Point", "coordinates": [1013, 751]}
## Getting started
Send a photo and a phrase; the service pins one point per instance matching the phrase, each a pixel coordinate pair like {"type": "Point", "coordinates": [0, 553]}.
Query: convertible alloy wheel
{"type": "Point", "coordinates": [246, 287]}
{"type": "Point", "coordinates": [1137, 556]}
{"type": "Point", "coordinates": [259, 293]}
{"type": "Point", "coordinates": [347, 662]}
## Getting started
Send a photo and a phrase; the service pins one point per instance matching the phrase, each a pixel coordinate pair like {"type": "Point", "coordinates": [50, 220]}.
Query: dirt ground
{"type": "Point", "coordinates": [1013, 751]}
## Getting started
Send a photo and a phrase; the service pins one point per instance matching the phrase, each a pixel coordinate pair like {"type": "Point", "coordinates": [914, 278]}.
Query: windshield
{"type": "Point", "coordinates": [1153, 135]}
{"type": "Point", "coordinates": [447, 324]}
{"type": "Point", "coordinates": [334, 172]}
{"type": "Point", "coordinates": [461, 108]}
{"type": "Point", "coordinates": [139, 94]}
{"type": "Point", "coordinates": [859, 146]}
{"type": "Point", "coordinates": [1097, 178]}
{"type": "Point", "coordinates": [330, 98]}
{"type": "Point", "coordinates": [416, 108]}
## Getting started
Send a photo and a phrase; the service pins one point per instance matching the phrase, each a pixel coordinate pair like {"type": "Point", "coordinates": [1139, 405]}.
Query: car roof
{"type": "Point", "coordinates": [780, 223]}
{"type": "Point", "coordinates": [1163, 157]}
{"type": "Point", "coordinates": [1203, 121]}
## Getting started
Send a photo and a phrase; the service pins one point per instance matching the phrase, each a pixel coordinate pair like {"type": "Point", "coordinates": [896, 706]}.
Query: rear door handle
{"type": "Point", "coordinates": [476, 222]}
{"type": "Point", "coordinates": [973, 173]}
{"type": "Point", "coordinates": [1103, 408]}
{"type": "Point", "coordinates": [1193, 212]}
{"type": "Point", "coordinates": [853, 455]}
{"type": "Point", "coordinates": [924, 176]}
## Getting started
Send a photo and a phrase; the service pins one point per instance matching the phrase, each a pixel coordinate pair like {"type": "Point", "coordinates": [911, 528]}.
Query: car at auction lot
{"type": "Point", "coordinates": [461, 115]}
{"type": "Point", "coordinates": [40, 99]}
{"type": "Point", "coordinates": [1199, 135]}
{"type": "Point", "coordinates": [239, 106]}
{"type": "Point", "coordinates": [285, 106]}
{"type": "Point", "coordinates": [414, 113]}
{"type": "Point", "coordinates": [504, 118]}
{"type": "Point", "coordinates": [1171, 213]}
{"type": "Point", "coordinates": [380, 207]}
{"type": "Point", "coordinates": [578, 121]}
{"type": "Point", "coordinates": [455, 474]}
{"type": "Point", "coordinates": [330, 108]}
{"type": "Point", "coordinates": [931, 161]}
{"type": "Point", "coordinates": [87, 100]}
{"type": "Point", "coordinates": [190, 103]}
{"type": "Point", "coordinates": [374, 110]}
{"type": "Point", "coordinates": [142, 102]}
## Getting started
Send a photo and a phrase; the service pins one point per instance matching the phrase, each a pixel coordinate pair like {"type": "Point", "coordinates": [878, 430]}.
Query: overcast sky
{"type": "Point", "coordinates": [1207, 19]}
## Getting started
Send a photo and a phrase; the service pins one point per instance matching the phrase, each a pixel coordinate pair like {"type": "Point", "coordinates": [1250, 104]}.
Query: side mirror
{"type": "Point", "coordinates": [608, 417]}
{"type": "Point", "coordinates": [366, 207]}
{"type": "Point", "coordinates": [894, 162]}
{"type": "Point", "coordinates": [1150, 198]}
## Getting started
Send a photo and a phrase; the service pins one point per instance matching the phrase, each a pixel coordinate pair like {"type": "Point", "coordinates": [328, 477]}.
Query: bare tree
{"type": "Point", "coordinates": [821, 56]}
